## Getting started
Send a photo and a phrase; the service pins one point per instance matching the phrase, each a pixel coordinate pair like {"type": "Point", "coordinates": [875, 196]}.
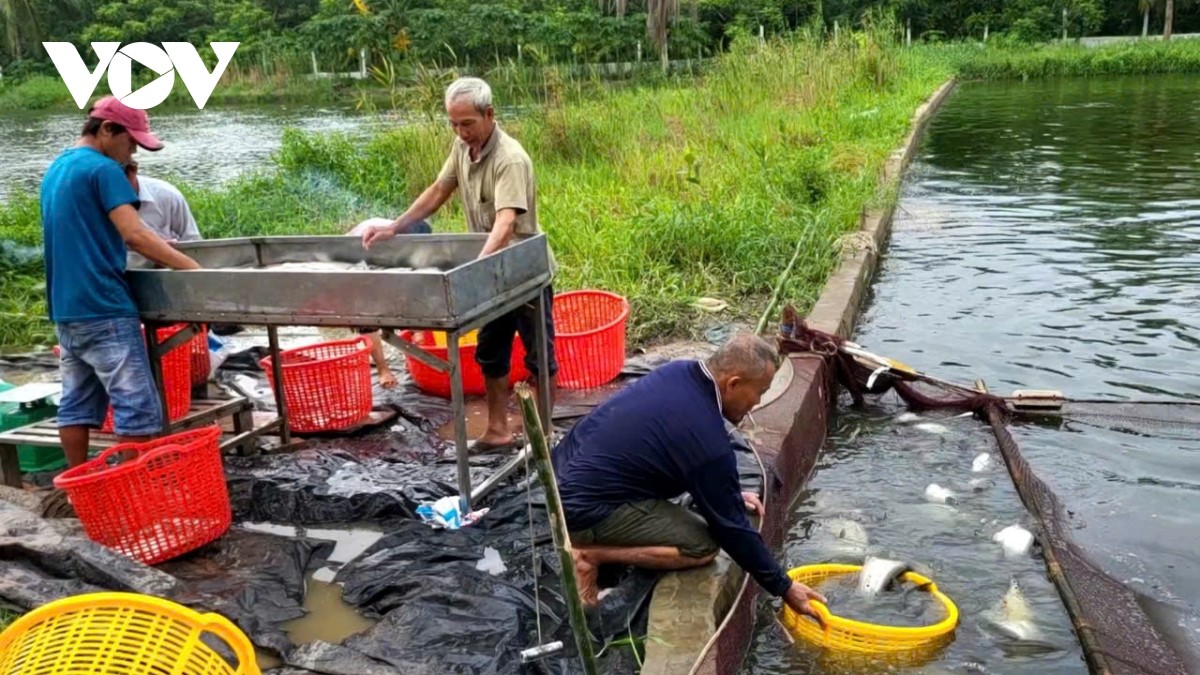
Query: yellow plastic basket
{"type": "Point", "coordinates": [846, 635]}
{"type": "Point", "coordinates": [121, 634]}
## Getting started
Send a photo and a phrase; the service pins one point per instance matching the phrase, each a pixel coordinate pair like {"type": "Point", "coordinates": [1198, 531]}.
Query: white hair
{"type": "Point", "coordinates": [476, 91]}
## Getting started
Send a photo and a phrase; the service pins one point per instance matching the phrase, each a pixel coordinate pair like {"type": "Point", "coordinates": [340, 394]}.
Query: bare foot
{"type": "Point", "coordinates": [585, 577]}
{"type": "Point", "coordinates": [386, 379]}
{"type": "Point", "coordinates": [491, 439]}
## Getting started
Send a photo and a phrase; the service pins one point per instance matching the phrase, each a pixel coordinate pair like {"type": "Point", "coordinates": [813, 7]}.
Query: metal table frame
{"type": "Point", "coordinates": [149, 284]}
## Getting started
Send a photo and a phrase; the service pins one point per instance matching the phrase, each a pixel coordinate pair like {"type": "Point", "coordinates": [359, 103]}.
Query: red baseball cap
{"type": "Point", "coordinates": [135, 121]}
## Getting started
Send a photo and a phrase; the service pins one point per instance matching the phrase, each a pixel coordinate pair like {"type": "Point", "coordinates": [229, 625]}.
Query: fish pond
{"type": "Point", "coordinates": [1047, 237]}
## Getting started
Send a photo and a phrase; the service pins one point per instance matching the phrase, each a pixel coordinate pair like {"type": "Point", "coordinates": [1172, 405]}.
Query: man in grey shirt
{"type": "Point", "coordinates": [163, 209]}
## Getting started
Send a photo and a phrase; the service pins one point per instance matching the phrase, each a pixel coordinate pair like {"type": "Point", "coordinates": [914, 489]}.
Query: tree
{"type": "Point", "coordinates": [1168, 19]}
{"type": "Point", "coordinates": [21, 29]}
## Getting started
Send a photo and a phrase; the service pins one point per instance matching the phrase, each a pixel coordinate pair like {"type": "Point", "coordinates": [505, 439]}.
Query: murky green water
{"type": "Point", "coordinates": [203, 147]}
{"type": "Point", "coordinates": [1048, 236]}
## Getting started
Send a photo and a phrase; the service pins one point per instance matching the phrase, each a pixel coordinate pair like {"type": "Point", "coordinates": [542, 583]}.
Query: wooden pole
{"type": "Point", "coordinates": [558, 526]}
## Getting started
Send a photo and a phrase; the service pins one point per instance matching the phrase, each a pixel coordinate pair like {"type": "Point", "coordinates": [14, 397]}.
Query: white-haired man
{"type": "Point", "coordinates": [494, 177]}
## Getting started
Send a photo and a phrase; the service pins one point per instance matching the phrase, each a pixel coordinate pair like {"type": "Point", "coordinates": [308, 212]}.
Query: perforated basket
{"type": "Point", "coordinates": [169, 497]}
{"type": "Point", "coordinates": [121, 634]}
{"type": "Point", "coordinates": [437, 382]}
{"type": "Point", "coordinates": [327, 386]}
{"type": "Point", "coordinates": [177, 377]}
{"type": "Point", "coordinates": [589, 337]}
{"type": "Point", "coordinates": [846, 635]}
{"type": "Point", "coordinates": [200, 357]}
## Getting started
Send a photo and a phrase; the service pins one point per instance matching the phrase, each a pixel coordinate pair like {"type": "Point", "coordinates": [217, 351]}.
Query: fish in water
{"type": "Point", "coordinates": [849, 536]}
{"type": "Point", "coordinates": [931, 428]}
{"type": "Point", "coordinates": [980, 484]}
{"type": "Point", "coordinates": [1015, 540]}
{"type": "Point", "coordinates": [878, 573]}
{"type": "Point", "coordinates": [981, 463]}
{"type": "Point", "coordinates": [1013, 617]}
{"type": "Point", "coordinates": [939, 495]}
{"type": "Point", "coordinates": [907, 417]}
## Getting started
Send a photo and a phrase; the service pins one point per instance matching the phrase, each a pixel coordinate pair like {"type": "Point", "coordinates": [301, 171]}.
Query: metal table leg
{"type": "Point", "coordinates": [156, 372]}
{"type": "Point", "coordinates": [10, 465]}
{"type": "Point", "coordinates": [458, 403]}
{"type": "Point", "coordinates": [285, 433]}
{"type": "Point", "coordinates": [543, 359]}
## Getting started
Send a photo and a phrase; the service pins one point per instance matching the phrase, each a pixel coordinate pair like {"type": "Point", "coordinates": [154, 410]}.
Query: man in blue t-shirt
{"type": "Point", "coordinates": [662, 436]}
{"type": "Point", "coordinates": [89, 223]}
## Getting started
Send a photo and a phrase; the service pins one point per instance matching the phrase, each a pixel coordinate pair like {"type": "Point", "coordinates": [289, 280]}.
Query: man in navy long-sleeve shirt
{"type": "Point", "coordinates": [658, 438]}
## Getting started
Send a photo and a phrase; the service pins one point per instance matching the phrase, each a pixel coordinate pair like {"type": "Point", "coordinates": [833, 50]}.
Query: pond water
{"type": "Point", "coordinates": [203, 147]}
{"type": "Point", "coordinates": [1047, 237]}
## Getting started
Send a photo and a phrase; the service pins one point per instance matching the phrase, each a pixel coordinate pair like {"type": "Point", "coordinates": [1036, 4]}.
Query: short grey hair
{"type": "Point", "coordinates": [476, 91]}
{"type": "Point", "coordinates": [744, 355]}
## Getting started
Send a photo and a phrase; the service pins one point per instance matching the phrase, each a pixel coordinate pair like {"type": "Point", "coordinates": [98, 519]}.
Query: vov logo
{"type": "Point", "coordinates": [171, 58]}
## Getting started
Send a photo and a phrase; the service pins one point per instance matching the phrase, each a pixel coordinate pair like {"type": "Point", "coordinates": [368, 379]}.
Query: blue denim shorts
{"type": "Point", "coordinates": [106, 361]}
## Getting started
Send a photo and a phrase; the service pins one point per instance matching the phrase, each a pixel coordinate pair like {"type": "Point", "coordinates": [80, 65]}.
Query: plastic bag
{"type": "Point", "coordinates": [218, 351]}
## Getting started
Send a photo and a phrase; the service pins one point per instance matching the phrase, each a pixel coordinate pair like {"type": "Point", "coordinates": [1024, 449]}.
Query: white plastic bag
{"type": "Point", "coordinates": [218, 351]}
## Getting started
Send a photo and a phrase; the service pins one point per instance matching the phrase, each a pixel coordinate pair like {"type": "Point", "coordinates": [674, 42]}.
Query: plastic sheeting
{"type": "Point", "coordinates": [344, 481]}
{"type": "Point", "coordinates": [256, 580]}
{"type": "Point", "coordinates": [438, 610]}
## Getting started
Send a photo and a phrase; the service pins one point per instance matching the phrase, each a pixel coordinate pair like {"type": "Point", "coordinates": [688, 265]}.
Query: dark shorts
{"type": "Point", "coordinates": [493, 351]}
{"type": "Point", "coordinates": [653, 522]}
{"type": "Point", "coordinates": [420, 227]}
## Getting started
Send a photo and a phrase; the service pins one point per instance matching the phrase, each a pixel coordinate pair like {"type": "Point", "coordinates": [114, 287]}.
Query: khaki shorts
{"type": "Point", "coordinates": [654, 522]}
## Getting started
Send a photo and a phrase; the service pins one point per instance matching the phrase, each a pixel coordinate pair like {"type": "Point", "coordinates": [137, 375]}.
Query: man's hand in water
{"type": "Point", "coordinates": [797, 598]}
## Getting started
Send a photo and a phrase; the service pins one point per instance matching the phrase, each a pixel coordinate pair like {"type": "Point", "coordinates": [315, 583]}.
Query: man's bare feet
{"type": "Point", "coordinates": [387, 379]}
{"type": "Point", "coordinates": [585, 577]}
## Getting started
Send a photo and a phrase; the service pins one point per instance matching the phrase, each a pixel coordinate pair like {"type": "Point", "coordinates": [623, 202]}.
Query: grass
{"type": "Point", "coordinates": [7, 616]}
{"type": "Point", "coordinates": [665, 194]}
{"type": "Point", "coordinates": [663, 190]}
{"type": "Point", "coordinates": [48, 92]}
{"type": "Point", "coordinates": [998, 62]}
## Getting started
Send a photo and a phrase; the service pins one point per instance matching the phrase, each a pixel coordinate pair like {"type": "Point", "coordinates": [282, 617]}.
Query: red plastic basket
{"type": "Point", "coordinates": [326, 386]}
{"type": "Point", "coordinates": [589, 337]}
{"type": "Point", "coordinates": [169, 499]}
{"type": "Point", "coordinates": [437, 382]}
{"type": "Point", "coordinates": [177, 378]}
{"type": "Point", "coordinates": [199, 353]}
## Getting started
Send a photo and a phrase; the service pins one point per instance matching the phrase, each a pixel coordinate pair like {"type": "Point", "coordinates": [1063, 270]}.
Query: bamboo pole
{"type": "Point", "coordinates": [558, 526]}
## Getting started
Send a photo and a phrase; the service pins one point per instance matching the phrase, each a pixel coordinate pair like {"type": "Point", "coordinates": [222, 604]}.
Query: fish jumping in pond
{"type": "Point", "coordinates": [981, 463]}
{"type": "Point", "coordinates": [1014, 620]}
{"type": "Point", "coordinates": [1015, 540]}
{"type": "Point", "coordinates": [939, 495]}
{"type": "Point", "coordinates": [878, 573]}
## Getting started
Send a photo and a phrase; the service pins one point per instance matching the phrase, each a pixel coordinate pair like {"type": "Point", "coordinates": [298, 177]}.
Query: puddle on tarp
{"type": "Point", "coordinates": [327, 617]}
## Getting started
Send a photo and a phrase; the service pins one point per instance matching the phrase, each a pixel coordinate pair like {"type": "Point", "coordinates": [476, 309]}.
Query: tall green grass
{"type": "Point", "coordinates": [998, 62]}
{"type": "Point", "coordinates": [665, 193]}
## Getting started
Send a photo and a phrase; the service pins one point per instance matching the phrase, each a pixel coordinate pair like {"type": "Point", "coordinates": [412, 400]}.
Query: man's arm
{"type": "Point", "coordinates": [511, 197]}
{"type": "Point", "coordinates": [426, 205]}
{"type": "Point", "coordinates": [502, 232]}
{"type": "Point", "coordinates": [187, 229]}
{"type": "Point", "coordinates": [143, 241]}
{"type": "Point", "coordinates": [716, 493]}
